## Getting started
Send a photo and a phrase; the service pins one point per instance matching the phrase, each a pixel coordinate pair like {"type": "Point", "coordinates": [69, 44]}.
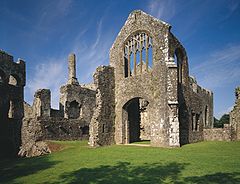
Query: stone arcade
{"type": "Point", "coordinates": [145, 94]}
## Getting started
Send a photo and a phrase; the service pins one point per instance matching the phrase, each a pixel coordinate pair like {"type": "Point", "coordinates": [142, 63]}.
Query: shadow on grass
{"type": "Point", "coordinates": [11, 169]}
{"type": "Point", "coordinates": [217, 178]}
{"type": "Point", "coordinates": [124, 172]}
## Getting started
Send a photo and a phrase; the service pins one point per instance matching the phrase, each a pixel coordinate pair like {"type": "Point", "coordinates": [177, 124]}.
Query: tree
{"type": "Point", "coordinates": [223, 120]}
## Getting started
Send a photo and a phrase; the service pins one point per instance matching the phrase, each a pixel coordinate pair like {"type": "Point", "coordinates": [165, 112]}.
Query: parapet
{"type": "Point", "coordinates": [5, 56]}
{"type": "Point", "coordinates": [10, 69]}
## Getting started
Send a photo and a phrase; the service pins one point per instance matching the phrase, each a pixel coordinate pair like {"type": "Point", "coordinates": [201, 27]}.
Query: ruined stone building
{"type": "Point", "coordinates": [146, 93]}
{"type": "Point", "coordinates": [235, 115]}
{"type": "Point", "coordinates": [70, 122]}
{"type": "Point", "coordinates": [12, 82]}
{"type": "Point", "coordinates": [152, 97]}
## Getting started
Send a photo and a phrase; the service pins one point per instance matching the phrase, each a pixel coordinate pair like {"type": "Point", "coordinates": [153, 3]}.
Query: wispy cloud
{"type": "Point", "coordinates": [232, 7]}
{"type": "Point", "coordinates": [225, 111]}
{"type": "Point", "coordinates": [53, 73]}
{"type": "Point", "coordinates": [54, 10]}
{"type": "Point", "coordinates": [163, 9]}
{"type": "Point", "coordinates": [50, 75]}
{"type": "Point", "coordinates": [219, 68]}
{"type": "Point", "coordinates": [91, 55]}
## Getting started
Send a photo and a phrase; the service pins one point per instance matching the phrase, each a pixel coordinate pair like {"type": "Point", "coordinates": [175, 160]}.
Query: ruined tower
{"type": "Point", "coordinates": [72, 70]}
{"type": "Point", "coordinates": [12, 82]}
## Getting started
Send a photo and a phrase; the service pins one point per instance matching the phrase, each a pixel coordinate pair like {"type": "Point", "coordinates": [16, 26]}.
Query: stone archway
{"type": "Point", "coordinates": [136, 120]}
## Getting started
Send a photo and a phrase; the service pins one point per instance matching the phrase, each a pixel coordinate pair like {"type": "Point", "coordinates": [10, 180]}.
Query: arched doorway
{"type": "Point", "coordinates": [137, 121]}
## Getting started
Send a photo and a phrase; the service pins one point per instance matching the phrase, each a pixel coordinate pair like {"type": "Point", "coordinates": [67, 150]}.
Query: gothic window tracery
{"type": "Point", "coordinates": [137, 54]}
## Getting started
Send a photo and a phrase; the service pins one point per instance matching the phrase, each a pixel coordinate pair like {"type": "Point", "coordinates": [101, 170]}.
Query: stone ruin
{"type": "Point", "coordinates": [145, 93]}
{"type": "Point", "coordinates": [12, 82]}
{"type": "Point", "coordinates": [235, 116]}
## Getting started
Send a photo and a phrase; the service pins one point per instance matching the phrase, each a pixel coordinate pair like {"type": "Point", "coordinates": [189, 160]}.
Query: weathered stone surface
{"type": "Point", "coordinates": [12, 82]}
{"type": "Point", "coordinates": [235, 115]}
{"type": "Point", "coordinates": [32, 149]}
{"type": "Point", "coordinates": [161, 80]}
{"type": "Point", "coordinates": [145, 94]}
{"type": "Point", "coordinates": [219, 134]}
{"type": "Point", "coordinates": [102, 122]}
{"type": "Point", "coordinates": [70, 122]}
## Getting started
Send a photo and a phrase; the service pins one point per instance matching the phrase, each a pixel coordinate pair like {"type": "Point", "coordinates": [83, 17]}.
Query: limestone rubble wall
{"type": "Point", "coordinates": [102, 123]}
{"type": "Point", "coordinates": [218, 134]}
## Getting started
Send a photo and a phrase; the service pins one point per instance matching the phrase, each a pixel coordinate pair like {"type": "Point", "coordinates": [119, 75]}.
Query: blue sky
{"type": "Point", "coordinates": [44, 32]}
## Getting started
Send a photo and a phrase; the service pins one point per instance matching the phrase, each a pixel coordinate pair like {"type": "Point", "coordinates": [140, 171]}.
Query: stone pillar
{"type": "Point", "coordinates": [42, 103]}
{"type": "Point", "coordinates": [172, 92]}
{"type": "Point", "coordinates": [72, 70]}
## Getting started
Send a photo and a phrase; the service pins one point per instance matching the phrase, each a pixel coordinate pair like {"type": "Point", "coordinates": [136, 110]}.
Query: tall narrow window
{"type": "Point", "coordinates": [197, 122]}
{"type": "Point", "coordinates": [206, 116]}
{"type": "Point", "coordinates": [137, 54]}
{"type": "Point", "coordinates": [178, 57]}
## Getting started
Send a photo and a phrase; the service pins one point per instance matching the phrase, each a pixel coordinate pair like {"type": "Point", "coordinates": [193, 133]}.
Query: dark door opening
{"type": "Point", "coordinates": [137, 120]}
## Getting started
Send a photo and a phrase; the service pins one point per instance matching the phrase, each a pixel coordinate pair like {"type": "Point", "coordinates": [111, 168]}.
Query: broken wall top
{"type": "Point", "coordinates": [10, 68]}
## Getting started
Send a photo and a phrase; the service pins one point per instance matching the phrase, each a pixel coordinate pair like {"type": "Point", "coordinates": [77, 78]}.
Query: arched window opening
{"type": "Point", "coordinates": [14, 80]}
{"type": "Point", "coordinates": [74, 110]}
{"type": "Point", "coordinates": [206, 116]}
{"type": "Point", "coordinates": [178, 59]}
{"type": "Point", "coordinates": [137, 54]}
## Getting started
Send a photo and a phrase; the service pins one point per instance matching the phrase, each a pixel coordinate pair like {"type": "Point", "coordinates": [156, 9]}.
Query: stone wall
{"type": "Point", "coordinates": [150, 84]}
{"type": "Point", "coordinates": [102, 123]}
{"type": "Point", "coordinates": [218, 134]}
{"type": "Point", "coordinates": [42, 128]}
{"type": "Point", "coordinates": [70, 122]}
{"type": "Point", "coordinates": [77, 102]}
{"type": "Point", "coordinates": [12, 82]}
{"type": "Point", "coordinates": [42, 103]}
{"type": "Point", "coordinates": [235, 115]}
{"type": "Point", "coordinates": [164, 82]}
{"type": "Point", "coordinates": [35, 131]}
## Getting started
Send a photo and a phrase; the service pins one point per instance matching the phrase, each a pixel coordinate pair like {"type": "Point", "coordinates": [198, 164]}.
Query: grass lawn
{"type": "Point", "coordinates": [205, 162]}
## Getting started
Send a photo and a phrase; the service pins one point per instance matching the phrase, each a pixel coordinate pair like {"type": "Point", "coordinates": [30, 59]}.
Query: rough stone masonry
{"type": "Point", "coordinates": [145, 94]}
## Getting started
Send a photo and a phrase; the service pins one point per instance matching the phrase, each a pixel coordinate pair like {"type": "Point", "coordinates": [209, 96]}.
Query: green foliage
{"type": "Point", "coordinates": [205, 162]}
{"type": "Point", "coordinates": [216, 123]}
{"type": "Point", "coordinates": [223, 120]}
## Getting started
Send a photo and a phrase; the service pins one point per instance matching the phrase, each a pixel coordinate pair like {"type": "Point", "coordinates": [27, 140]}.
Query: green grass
{"type": "Point", "coordinates": [205, 162]}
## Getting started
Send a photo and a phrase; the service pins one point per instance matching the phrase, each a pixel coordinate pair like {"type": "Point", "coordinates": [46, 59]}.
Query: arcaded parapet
{"type": "Point", "coordinates": [235, 115]}
{"type": "Point", "coordinates": [12, 82]}
{"type": "Point", "coordinates": [102, 123]}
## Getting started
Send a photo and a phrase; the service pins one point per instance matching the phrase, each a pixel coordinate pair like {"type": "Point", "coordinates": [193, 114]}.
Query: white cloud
{"type": "Point", "coordinates": [162, 9]}
{"type": "Point", "coordinates": [219, 68]}
{"type": "Point", "coordinates": [53, 73]}
{"type": "Point", "coordinates": [92, 55]}
{"type": "Point", "coordinates": [225, 111]}
{"type": "Point", "coordinates": [50, 75]}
